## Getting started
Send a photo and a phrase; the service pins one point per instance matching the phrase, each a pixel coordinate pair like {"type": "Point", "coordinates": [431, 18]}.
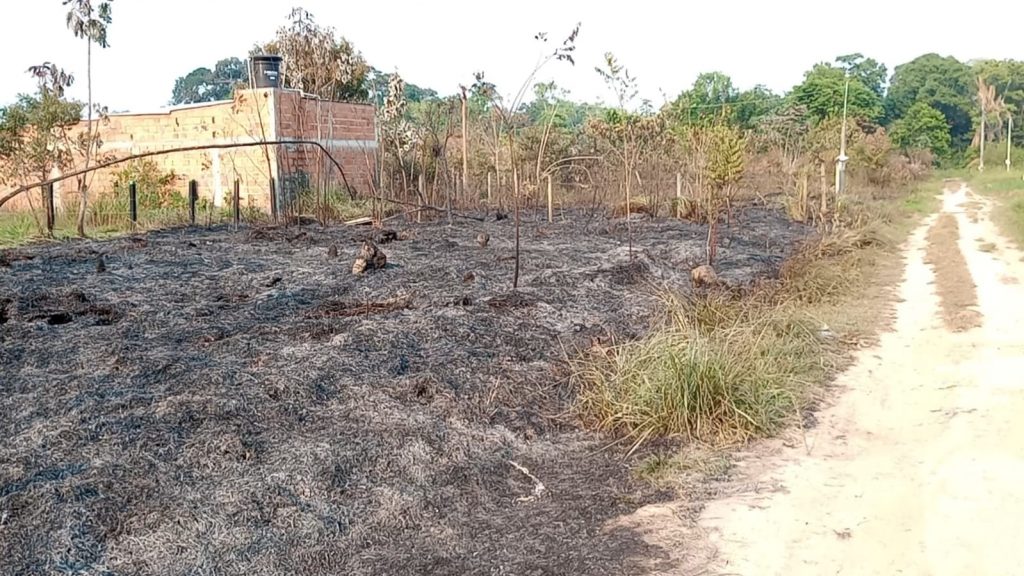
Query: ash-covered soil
{"type": "Point", "coordinates": [236, 402]}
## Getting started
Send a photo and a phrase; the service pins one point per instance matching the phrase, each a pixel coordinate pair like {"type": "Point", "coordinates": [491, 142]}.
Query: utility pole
{"type": "Point", "coordinates": [841, 160]}
{"type": "Point", "coordinates": [1009, 139]}
{"type": "Point", "coordinates": [981, 162]}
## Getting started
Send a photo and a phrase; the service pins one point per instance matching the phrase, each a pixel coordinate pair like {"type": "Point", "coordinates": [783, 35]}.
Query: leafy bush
{"type": "Point", "coordinates": [154, 187]}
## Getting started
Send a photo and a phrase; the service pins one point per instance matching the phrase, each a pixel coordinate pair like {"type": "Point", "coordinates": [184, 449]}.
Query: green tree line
{"type": "Point", "coordinates": [932, 102]}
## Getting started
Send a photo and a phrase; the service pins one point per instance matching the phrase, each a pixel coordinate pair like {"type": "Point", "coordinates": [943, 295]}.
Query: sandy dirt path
{"type": "Point", "coordinates": [918, 466]}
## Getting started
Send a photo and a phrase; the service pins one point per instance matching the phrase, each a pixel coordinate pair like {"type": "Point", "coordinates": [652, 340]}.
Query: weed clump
{"type": "Point", "coordinates": [720, 370]}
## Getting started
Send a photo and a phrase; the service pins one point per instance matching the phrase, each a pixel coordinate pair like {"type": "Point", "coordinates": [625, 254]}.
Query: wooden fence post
{"type": "Point", "coordinates": [133, 204]}
{"type": "Point", "coordinates": [237, 200]}
{"type": "Point", "coordinates": [193, 196]}
{"type": "Point", "coordinates": [51, 214]}
{"type": "Point", "coordinates": [273, 200]}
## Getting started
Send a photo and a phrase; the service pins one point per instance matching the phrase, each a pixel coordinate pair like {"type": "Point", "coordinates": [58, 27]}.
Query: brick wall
{"type": "Point", "coordinates": [347, 130]}
{"type": "Point", "coordinates": [245, 119]}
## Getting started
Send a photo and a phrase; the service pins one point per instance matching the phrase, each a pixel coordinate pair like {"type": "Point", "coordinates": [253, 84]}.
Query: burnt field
{"type": "Point", "coordinates": [236, 402]}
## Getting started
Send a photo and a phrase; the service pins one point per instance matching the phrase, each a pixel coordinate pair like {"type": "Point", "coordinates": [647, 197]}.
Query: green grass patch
{"type": "Point", "coordinates": [17, 228]}
{"type": "Point", "coordinates": [720, 369]}
{"type": "Point", "coordinates": [1006, 189]}
{"type": "Point", "coordinates": [996, 182]}
{"type": "Point", "coordinates": [923, 197]}
{"type": "Point", "coordinates": [1009, 216]}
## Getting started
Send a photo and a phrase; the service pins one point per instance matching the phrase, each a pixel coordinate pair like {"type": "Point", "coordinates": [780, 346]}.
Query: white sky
{"type": "Point", "coordinates": [664, 44]}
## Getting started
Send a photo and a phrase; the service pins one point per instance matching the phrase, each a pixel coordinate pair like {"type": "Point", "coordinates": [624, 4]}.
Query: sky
{"type": "Point", "coordinates": [440, 43]}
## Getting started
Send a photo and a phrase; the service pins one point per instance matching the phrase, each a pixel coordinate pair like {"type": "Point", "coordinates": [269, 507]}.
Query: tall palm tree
{"type": "Point", "coordinates": [89, 22]}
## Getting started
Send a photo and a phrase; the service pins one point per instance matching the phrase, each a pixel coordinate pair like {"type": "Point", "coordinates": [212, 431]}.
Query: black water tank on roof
{"type": "Point", "coordinates": [266, 71]}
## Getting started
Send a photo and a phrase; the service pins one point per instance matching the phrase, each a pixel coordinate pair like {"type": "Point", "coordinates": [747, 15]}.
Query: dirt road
{"type": "Point", "coordinates": [918, 467]}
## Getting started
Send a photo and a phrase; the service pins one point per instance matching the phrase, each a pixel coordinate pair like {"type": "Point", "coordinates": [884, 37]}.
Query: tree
{"type": "Point", "coordinates": [629, 134]}
{"type": "Point", "coordinates": [376, 87]}
{"type": "Point", "coordinates": [317, 61]}
{"type": "Point", "coordinates": [823, 90]}
{"type": "Point", "coordinates": [205, 85]}
{"type": "Point", "coordinates": [89, 23]}
{"type": "Point", "coordinates": [945, 84]}
{"type": "Point", "coordinates": [726, 162]}
{"type": "Point", "coordinates": [704, 101]}
{"type": "Point", "coordinates": [822, 145]}
{"type": "Point", "coordinates": [34, 132]}
{"type": "Point", "coordinates": [750, 106]}
{"type": "Point", "coordinates": [1007, 78]}
{"type": "Point", "coordinates": [869, 71]}
{"type": "Point", "coordinates": [507, 111]}
{"type": "Point", "coordinates": [922, 127]}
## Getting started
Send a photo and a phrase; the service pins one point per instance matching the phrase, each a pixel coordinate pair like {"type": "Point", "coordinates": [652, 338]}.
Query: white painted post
{"type": "Point", "coordinates": [551, 200]}
{"type": "Point", "coordinates": [1009, 140]}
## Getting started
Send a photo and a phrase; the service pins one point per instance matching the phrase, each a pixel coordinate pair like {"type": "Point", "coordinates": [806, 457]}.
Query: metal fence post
{"type": "Point", "coordinates": [238, 202]}
{"type": "Point", "coordinates": [51, 215]}
{"type": "Point", "coordinates": [193, 195]}
{"type": "Point", "coordinates": [273, 199]}
{"type": "Point", "coordinates": [133, 203]}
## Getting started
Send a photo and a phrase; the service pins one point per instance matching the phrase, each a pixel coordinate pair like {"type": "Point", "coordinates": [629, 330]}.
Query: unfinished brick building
{"type": "Point", "coordinates": [346, 130]}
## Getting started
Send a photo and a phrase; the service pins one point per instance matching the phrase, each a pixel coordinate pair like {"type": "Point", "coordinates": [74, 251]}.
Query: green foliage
{"type": "Point", "coordinates": [785, 128]}
{"type": "Point", "coordinates": [922, 127]}
{"type": "Point", "coordinates": [155, 189]}
{"type": "Point", "coordinates": [704, 103]}
{"type": "Point", "coordinates": [869, 71]}
{"type": "Point", "coordinates": [944, 83]}
{"type": "Point", "coordinates": [726, 161]}
{"type": "Point", "coordinates": [823, 90]}
{"type": "Point", "coordinates": [34, 138]}
{"type": "Point", "coordinates": [619, 80]}
{"type": "Point", "coordinates": [824, 139]}
{"type": "Point", "coordinates": [205, 85]}
{"type": "Point", "coordinates": [751, 106]}
{"type": "Point", "coordinates": [714, 98]}
{"type": "Point", "coordinates": [16, 228]}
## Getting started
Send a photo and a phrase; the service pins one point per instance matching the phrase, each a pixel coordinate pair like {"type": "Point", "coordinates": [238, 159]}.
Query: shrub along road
{"type": "Point", "coordinates": [916, 467]}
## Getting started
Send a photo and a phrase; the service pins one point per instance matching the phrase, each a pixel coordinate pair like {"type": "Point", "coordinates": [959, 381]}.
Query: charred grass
{"type": "Point", "coordinates": [237, 402]}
